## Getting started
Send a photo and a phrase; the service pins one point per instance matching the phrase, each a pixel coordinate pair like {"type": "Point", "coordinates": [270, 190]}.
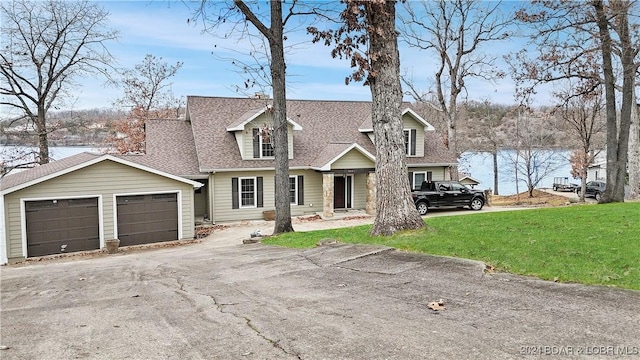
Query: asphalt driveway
{"type": "Point", "coordinates": [224, 300]}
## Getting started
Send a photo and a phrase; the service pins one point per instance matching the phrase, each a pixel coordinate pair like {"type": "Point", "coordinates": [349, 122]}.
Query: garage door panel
{"type": "Point", "coordinates": [144, 219]}
{"type": "Point", "coordinates": [62, 226]}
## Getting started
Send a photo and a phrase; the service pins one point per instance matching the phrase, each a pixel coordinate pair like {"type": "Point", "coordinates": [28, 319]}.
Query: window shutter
{"type": "Point", "coordinates": [235, 201]}
{"type": "Point", "coordinates": [256, 144]}
{"type": "Point", "coordinates": [300, 190]}
{"type": "Point", "coordinates": [413, 142]}
{"type": "Point", "coordinates": [259, 197]}
{"type": "Point", "coordinates": [411, 180]}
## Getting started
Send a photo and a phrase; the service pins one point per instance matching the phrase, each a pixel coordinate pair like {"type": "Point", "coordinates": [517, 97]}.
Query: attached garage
{"type": "Point", "coordinates": [80, 202]}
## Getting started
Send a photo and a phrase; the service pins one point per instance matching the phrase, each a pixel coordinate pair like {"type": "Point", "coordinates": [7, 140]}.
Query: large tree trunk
{"type": "Point", "coordinates": [275, 36]}
{"type": "Point", "coordinates": [281, 140]}
{"type": "Point", "coordinates": [395, 208]}
{"type": "Point", "coordinates": [43, 137]}
{"type": "Point", "coordinates": [634, 151]}
{"type": "Point", "coordinates": [583, 176]}
{"type": "Point", "coordinates": [616, 167]}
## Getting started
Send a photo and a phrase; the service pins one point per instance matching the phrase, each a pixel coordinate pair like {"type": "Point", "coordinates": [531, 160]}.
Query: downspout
{"type": "Point", "coordinates": [4, 257]}
{"type": "Point", "coordinates": [211, 201]}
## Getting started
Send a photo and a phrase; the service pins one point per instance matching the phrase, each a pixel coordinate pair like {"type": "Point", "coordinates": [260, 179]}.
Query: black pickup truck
{"type": "Point", "coordinates": [446, 194]}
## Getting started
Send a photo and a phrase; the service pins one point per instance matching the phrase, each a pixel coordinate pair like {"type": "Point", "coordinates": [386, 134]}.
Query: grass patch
{"type": "Point", "coordinates": [588, 244]}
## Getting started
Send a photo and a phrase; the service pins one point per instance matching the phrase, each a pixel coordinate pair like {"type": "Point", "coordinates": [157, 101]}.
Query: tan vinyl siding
{"type": "Point", "coordinates": [246, 143]}
{"type": "Point", "coordinates": [105, 178]}
{"type": "Point", "coordinates": [359, 191]}
{"type": "Point", "coordinates": [222, 194]}
{"type": "Point", "coordinates": [241, 141]}
{"type": "Point", "coordinates": [200, 201]}
{"type": "Point", "coordinates": [410, 123]}
{"type": "Point", "coordinates": [438, 173]}
{"type": "Point", "coordinates": [354, 159]}
{"type": "Point", "coordinates": [223, 209]}
{"type": "Point", "coordinates": [312, 193]}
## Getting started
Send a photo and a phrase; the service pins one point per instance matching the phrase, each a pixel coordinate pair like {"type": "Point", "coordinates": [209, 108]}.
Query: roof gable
{"type": "Point", "coordinates": [251, 115]}
{"type": "Point", "coordinates": [334, 152]}
{"type": "Point", "coordinates": [327, 125]}
{"type": "Point", "coordinates": [469, 179]}
{"type": "Point", "coordinates": [368, 126]}
{"type": "Point", "coordinates": [54, 169]}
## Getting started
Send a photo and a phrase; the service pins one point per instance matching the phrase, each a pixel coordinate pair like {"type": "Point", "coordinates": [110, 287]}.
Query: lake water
{"type": "Point", "coordinates": [55, 152]}
{"type": "Point", "coordinates": [478, 164]}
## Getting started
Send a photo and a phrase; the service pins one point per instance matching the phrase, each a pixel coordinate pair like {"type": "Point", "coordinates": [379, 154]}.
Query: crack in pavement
{"type": "Point", "coordinates": [220, 308]}
{"type": "Point", "coordinates": [275, 343]}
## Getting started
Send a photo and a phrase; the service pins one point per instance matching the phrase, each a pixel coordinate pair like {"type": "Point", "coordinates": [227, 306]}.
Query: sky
{"type": "Point", "coordinates": [161, 28]}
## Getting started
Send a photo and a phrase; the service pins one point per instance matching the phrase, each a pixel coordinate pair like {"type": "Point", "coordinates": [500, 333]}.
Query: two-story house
{"type": "Point", "coordinates": [217, 164]}
{"type": "Point", "coordinates": [224, 143]}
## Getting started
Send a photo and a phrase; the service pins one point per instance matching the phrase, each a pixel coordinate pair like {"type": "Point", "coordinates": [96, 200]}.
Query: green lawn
{"type": "Point", "coordinates": [589, 244]}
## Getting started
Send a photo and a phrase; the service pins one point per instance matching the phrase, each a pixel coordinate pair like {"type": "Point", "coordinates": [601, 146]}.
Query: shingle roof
{"type": "Point", "coordinates": [42, 171]}
{"type": "Point", "coordinates": [323, 123]}
{"type": "Point", "coordinates": [169, 148]}
{"type": "Point", "coordinates": [26, 178]}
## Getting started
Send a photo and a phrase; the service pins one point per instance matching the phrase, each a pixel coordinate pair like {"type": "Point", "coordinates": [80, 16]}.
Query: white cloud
{"type": "Point", "coordinates": [161, 29]}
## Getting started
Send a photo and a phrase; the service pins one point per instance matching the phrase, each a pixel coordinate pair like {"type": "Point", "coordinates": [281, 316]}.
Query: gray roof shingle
{"type": "Point", "coordinates": [192, 147]}
{"type": "Point", "coordinates": [323, 123]}
{"type": "Point", "coordinates": [169, 148]}
{"type": "Point", "coordinates": [45, 170]}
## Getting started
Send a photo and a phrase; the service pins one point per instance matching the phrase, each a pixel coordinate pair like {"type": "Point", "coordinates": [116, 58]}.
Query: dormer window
{"type": "Point", "coordinates": [410, 142]}
{"type": "Point", "coordinates": [262, 147]}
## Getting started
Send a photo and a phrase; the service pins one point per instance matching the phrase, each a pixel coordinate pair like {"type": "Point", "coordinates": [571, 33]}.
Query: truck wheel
{"type": "Point", "coordinates": [598, 196]}
{"type": "Point", "coordinates": [422, 208]}
{"type": "Point", "coordinates": [555, 188]}
{"type": "Point", "coordinates": [476, 204]}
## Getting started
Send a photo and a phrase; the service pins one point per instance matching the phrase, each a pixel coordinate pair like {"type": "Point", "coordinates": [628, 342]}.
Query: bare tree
{"type": "Point", "coordinates": [591, 42]}
{"type": "Point", "coordinates": [455, 32]}
{"type": "Point", "coordinates": [46, 45]}
{"type": "Point", "coordinates": [584, 116]}
{"type": "Point", "coordinates": [488, 127]}
{"type": "Point", "coordinates": [18, 157]}
{"type": "Point", "coordinates": [147, 85]}
{"type": "Point", "coordinates": [371, 24]}
{"type": "Point", "coordinates": [147, 93]}
{"type": "Point", "coordinates": [532, 159]}
{"type": "Point", "coordinates": [271, 27]}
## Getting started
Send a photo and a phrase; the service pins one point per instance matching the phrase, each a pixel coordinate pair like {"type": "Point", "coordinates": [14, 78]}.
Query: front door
{"type": "Point", "coordinates": [342, 190]}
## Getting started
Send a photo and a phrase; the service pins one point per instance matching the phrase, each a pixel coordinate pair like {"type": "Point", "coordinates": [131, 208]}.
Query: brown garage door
{"type": "Point", "coordinates": [62, 226]}
{"type": "Point", "coordinates": [144, 219]}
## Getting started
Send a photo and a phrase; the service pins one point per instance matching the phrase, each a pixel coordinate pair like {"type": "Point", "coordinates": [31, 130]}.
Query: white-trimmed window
{"type": "Point", "coordinates": [265, 146]}
{"type": "Point", "coordinates": [418, 177]}
{"type": "Point", "coordinates": [293, 190]}
{"type": "Point", "coordinates": [296, 189]}
{"type": "Point", "coordinates": [246, 192]}
{"type": "Point", "coordinates": [262, 147]}
{"type": "Point", "coordinates": [410, 141]}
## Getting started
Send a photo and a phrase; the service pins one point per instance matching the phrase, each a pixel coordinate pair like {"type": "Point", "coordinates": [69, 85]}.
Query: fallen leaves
{"type": "Point", "coordinates": [310, 218]}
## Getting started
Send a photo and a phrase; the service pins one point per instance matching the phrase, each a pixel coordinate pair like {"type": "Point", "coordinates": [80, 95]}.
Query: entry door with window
{"type": "Point", "coordinates": [342, 191]}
